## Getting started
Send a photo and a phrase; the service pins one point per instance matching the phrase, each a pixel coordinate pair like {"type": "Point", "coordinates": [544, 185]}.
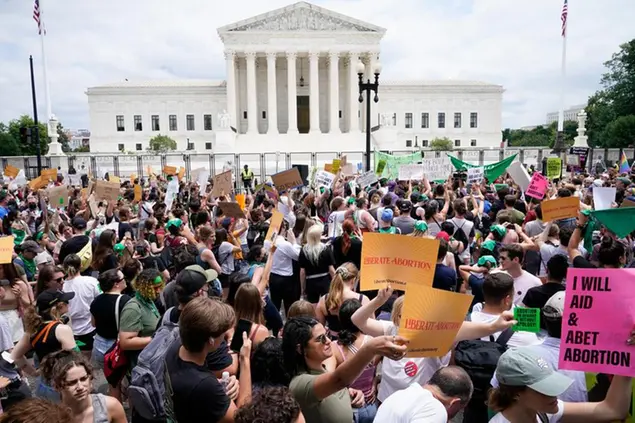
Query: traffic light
{"type": "Point", "coordinates": [25, 135]}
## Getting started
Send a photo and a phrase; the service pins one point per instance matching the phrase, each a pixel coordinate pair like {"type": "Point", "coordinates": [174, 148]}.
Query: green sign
{"type": "Point", "coordinates": [528, 319]}
{"type": "Point", "coordinates": [381, 165]}
{"type": "Point", "coordinates": [554, 167]}
{"type": "Point", "coordinates": [392, 163]}
{"type": "Point", "coordinates": [491, 171]}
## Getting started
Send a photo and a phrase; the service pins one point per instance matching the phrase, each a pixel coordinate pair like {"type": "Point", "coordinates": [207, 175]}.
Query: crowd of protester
{"type": "Point", "coordinates": [193, 315]}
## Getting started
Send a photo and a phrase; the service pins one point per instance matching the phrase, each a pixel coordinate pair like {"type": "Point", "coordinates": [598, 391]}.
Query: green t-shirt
{"type": "Point", "coordinates": [136, 317]}
{"type": "Point", "coordinates": [336, 408]}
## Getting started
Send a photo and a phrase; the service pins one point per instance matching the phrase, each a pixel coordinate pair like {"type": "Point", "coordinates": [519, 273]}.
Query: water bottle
{"type": "Point", "coordinates": [225, 380]}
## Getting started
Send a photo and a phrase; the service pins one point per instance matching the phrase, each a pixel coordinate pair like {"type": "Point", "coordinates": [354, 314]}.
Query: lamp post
{"type": "Point", "coordinates": [368, 87]}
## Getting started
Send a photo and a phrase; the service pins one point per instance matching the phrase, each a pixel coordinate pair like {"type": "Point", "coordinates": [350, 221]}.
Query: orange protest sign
{"type": "Point", "coordinates": [431, 318]}
{"type": "Point", "coordinates": [6, 249]}
{"type": "Point", "coordinates": [274, 225]}
{"type": "Point", "coordinates": [169, 170]}
{"type": "Point", "coordinates": [561, 208]}
{"type": "Point", "coordinates": [11, 171]}
{"type": "Point", "coordinates": [37, 183]}
{"type": "Point", "coordinates": [133, 177]}
{"type": "Point", "coordinates": [397, 260]}
{"type": "Point", "coordinates": [240, 199]}
{"type": "Point", "coordinates": [181, 174]}
{"type": "Point", "coordinates": [49, 174]}
{"type": "Point", "coordinates": [137, 192]}
{"type": "Point", "coordinates": [329, 167]}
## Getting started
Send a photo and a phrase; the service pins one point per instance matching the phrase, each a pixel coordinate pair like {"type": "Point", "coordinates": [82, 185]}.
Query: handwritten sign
{"type": "Point", "coordinates": [367, 178]}
{"type": "Point", "coordinates": [431, 318]}
{"type": "Point", "coordinates": [58, 196]}
{"type": "Point", "coordinates": [528, 319]}
{"type": "Point", "coordinates": [169, 170]}
{"type": "Point", "coordinates": [590, 342]}
{"type": "Point", "coordinates": [231, 210]}
{"type": "Point", "coordinates": [537, 186]}
{"type": "Point", "coordinates": [435, 169]}
{"type": "Point", "coordinates": [11, 171]}
{"type": "Point", "coordinates": [287, 179]}
{"type": "Point", "coordinates": [6, 249]}
{"type": "Point", "coordinates": [397, 260]}
{"type": "Point", "coordinates": [475, 175]}
{"type": "Point", "coordinates": [181, 173]}
{"type": "Point", "coordinates": [37, 183]}
{"type": "Point", "coordinates": [324, 179]}
{"type": "Point", "coordinates": [554, 167]}
{"type": "Point", "coordinates": [274, 225]}
{"type": "Point", "coordinates": [137, 192]}
{"type": "Point", "coordinates": [562, 208]}
{"type": "Point", "coordinates": [410, 172]}
{"type": "Point", "coordinates": [106, 191]}
{"type": "Point", "coordinates": [94, 208]}
{"type": "Point", "coordinates": [49, 174]}
{"type": "Point", "coordinates": [347, 169]}
{"type": "Point", "coordinates": [222, 184]}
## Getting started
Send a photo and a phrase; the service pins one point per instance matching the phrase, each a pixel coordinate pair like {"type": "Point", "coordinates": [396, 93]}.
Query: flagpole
{"type": "Point", "coordinates": [563, 83]}
{"type": "Point", "coordinates": [47, 95]}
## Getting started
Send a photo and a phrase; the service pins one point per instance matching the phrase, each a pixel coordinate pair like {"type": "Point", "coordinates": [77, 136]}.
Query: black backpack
{"type": "Point", "coordinates": [479, 359]}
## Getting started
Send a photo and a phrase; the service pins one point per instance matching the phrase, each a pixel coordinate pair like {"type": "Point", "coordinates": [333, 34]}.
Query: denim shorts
{"type": "Point", "coordinates": [45, 391]}
{"type": "Point", "coordinates": [366, 414]}
{"type": "Point", "coordinates": [100, 347]}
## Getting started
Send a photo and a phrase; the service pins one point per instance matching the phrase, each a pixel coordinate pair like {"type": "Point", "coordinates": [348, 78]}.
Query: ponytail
{"type": "Point", "coordinates": [344, 273]}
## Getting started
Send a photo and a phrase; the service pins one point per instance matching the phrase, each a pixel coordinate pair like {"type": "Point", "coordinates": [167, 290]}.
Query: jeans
{"type": "Point", "coordinates": [366, 414]}
{"type": "Point", "coordinates": [272, 317]}
{"type": "Point", "coordinates": [45, 391]}
{"type": "Point", "coordinates": [100, 347]}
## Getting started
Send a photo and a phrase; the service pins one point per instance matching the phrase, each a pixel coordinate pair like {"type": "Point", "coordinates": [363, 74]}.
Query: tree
{"type": "Point", "coordinates": [8, 145]}
{"type": "Point", "coordinates": [541, 136]}
{"type": "Point", "coordinates": [82, 149]}
{"type": "Point", "coordinates": [162, 143]}
{"type": "Point", "coordinates": [63, 138]}
{"type": "Point", "coordinates": [441, 144]}
{"type": "Point", "coordinates": [621, 131]}
{"type": "Point", "coordinates": [25, 121]}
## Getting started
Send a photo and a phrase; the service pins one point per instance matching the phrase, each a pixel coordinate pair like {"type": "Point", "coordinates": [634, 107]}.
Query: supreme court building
{"type": "Point", "coordinates": [291, 85]}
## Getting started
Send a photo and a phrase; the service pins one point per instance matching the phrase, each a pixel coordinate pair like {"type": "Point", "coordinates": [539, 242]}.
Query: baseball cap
{"type": "Point", "coordinates": [194, 277]}
{"type": "Point", "coordinates": [421, 226]}
{"type": "Point", "coordinates": [499, 230]}
{"type": "Point", "coordinates": [78, 223]}
{"type": "Point", "coordinates": [44, 259]}
{"type": "Point", "coordinates": [386, 215]}
{"type": "Point", "coordinates": [405, 205]}
{"type": "Point", "coordinates": [488, 245]}
{"type": "Point", "coordinates": [486, 259]}
{"type": "Point", "coordinates": [443, 235]}
{"type": "Point", "coordinates": [50, 297]}
{"type": "Point", "coordinates": [525, 366]}
{"type": "Point", "coordinates": [554, 307]}
{"type": "Point", "coordinates": [31, 247]}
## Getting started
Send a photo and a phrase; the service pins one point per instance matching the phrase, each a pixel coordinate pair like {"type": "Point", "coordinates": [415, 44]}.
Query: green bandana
{"type": "Point", "coordinates": [147, 303]}
{"type": "Point", "coordinates": [30, 266]}
{"type": "Point", "coordinates": [18, 236]}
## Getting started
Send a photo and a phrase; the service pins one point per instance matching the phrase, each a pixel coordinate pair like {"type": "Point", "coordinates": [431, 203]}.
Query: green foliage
{"type": "Point", "coordinates": [82, 149]}
{"type": "Point", "coordinates": [8, 145]}
{"type": "Point", "coordinates": [442, 144]}
{"type": "Point", "coordinates": [63, 138]}
{"type": "Point", "coordinates": [621, 131]}
{"type": "Point", "coordinates": [540, 136]}
{"type": "Point", "coordinates": [162, 143]}
{"type": "Point", "coordinates": [29, 149]}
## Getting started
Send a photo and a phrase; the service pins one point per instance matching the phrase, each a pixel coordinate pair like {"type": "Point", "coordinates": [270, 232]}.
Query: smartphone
{"type": "Point", "coordinates": [237, 340]}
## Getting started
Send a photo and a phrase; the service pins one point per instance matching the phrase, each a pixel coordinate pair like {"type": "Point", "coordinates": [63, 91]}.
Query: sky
{"type": "Point", "coordinates": [513, 43]}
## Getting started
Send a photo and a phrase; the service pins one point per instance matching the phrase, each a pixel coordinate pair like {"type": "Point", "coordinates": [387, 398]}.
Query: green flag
{"type": "Point", "coordinates": [619, 221]}
{"type": "Point", "coordinates": [391, 169]}
{"type": "Point", "coordinates": [491, 171]}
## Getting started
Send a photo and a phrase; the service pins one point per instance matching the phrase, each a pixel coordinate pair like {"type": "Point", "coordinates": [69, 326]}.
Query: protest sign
{"type": "Point", "coordinates": [492, 171]}
{"type": "Point", "coordinates": [603, 197]}
{"type": "Point", "coordinates": [37, 183]}
{"type": "Point", "coordinates": [240, 199]}
{"type": "Point", "coordinates": [410, 172]}
{"type": "Point", "coordinates": [328, 167]}
{"type": "Point", "coordinates": [171, 192]}
{"type": "Point", "coordinates": [397, 260]}
{"type": "Point", "coordinates": [19, 181]}
{"type": "Point", "coordinates": [335, 166]}
{"type": "Point", "coordinates": [105, 190]}
{"type": "Point", "coordinates": [528, 319]}
{"type": "Point", "coordinates": [181, 173]}
{"type": "Point", "coordinates": [202, 180]}
{"type": "Point", "coordinates": [436, 169]}
{"type": "Point", "coordinates": [381, 165]}
{"type": "Point", "coordinates": [11, 171]}
{"type": "Point", "coordinates": [115, 179]}
{"type": "Point", "coordinates": [475, 175]}
{"type": "Point", "coordinates": [347, 169]}
{"type": "Point", "coordinates": [537, 186]}
{"type": "Point", "coordinates": [344, 161]}
{"type": "Point", "coordinates": [554, 167]}
{"type": "Point", "coordinates": [94, 209]}
{"type": "Point", "coordinates": [137, 192]}
{"type": "Point", "coordinates": [519, 174]}
{"type": "Point", "coordinates": [573, 160]}
{"type": "Point", "coordinates": [58, 196]}
{"type": "Point", "coordinates": [6, 249]}
{"type": "Point", "coordinates": [561, 208]}
{"type": "Point", "coordinates": [274, 225]}
{"type": "Point", "coordinates": [222, 184]}
{"type": "Point", "coordinates": [75, 180]}
{"type": "Point", "coordinates": [392, 163]}
{"type": "Point", "coordinates": [287, 179]}
{"type": "Point", "coordinates": [169, 170]}
{"type": "Point", "coordinates": [324, 179]}
{"type": "Point", "coordinates": [431, 318]}
{"type": "Point", "coordinates": [591, 341]}
{"type": "Point", "coordinates": [231, 210]}
{"type": "Point", "coordinates": [367, 178]}
{"type": "Point", "coordinates": [49, 174]}
{"type": "Point", "coordinates": [133, 176]}
{"type": "Point", "coordinates": [149, 170]}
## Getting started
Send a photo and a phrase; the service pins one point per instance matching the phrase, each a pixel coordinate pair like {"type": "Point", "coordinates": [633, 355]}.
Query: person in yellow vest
{"type": "Point", "coordinates": [247, 176]}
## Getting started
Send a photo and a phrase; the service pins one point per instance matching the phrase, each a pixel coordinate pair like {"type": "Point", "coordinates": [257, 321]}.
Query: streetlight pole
{"type": "Point", "coordinates": [368, 87]}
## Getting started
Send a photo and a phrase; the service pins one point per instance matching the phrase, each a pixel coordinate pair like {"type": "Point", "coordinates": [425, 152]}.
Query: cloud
{"type": "Point", "coordinates": [516, 44]}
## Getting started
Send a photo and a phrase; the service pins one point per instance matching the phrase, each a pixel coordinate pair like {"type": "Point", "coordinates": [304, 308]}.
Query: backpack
{"type": "Point", "coordinates": [147, 383]}
{"type": "Point", "coordinates": [86, 255]}
{"type": "Point", "coordinates": [479, 359]}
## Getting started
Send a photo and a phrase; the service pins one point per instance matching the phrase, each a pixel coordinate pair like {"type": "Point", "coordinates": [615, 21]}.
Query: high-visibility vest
{"type": "Point", "coordinates": [247, 174]}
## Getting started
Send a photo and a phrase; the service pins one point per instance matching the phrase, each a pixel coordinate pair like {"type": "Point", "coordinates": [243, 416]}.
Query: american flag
{"type": "Point", "coordinates": [563, 16]}
{"type": "Point", "coordinates": [36, 17]}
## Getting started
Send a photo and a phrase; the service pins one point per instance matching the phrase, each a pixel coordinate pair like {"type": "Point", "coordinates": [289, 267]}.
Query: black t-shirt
{"type": "Point", "coordinates": [110, 262]}
{"type": "Point", "coordinates": [325, 260]}
{"type": "Point", "coordinates": [73, 246]}
{"type": "Point", "coordinates": [123, 228]}
{"type": "Point", "coordinates": [582, 263]}
{"type": "Point", "coordinates": [444, 278]}
{"type": "Point", "coordinates": [152, 262]}
{"type": "Point", "coordinates": [218, 359]}
{"type": "Point", "coordinates": [196, 391]}
{"type": "Point", "coordinates": [538, 296]}
{"type": "Point", "coordinates": [354, 254]}
{"type": "Point", "coordinates": [103, 310]}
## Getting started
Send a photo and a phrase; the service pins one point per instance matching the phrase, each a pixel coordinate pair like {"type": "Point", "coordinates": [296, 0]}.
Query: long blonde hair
{"type": "Point", "coordinates": [397, 306]}
{"type": "Point", "coordinates": [314, 246]}
{"type": "Point", "coordinates": [344, 273]}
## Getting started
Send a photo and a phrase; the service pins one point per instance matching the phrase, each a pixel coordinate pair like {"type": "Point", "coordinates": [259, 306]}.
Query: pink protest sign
{"type": "Point", "coordinates": [537, 186]}
{"type": "Point", "coordinates": [597, 321]}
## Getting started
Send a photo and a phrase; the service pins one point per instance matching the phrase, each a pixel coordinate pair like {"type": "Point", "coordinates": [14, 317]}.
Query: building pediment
{"type": "Point", "coordinates": [301, 17]}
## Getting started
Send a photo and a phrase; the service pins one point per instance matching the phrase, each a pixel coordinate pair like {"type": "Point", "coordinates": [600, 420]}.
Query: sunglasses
{"type": "Point", "coordinates": [60, 279]}
{"type": "Point", "coordinates": [323, 339]}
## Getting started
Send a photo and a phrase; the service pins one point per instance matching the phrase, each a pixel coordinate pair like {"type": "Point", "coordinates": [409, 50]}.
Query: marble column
{"type": "Point", "coordinates": [314, 96]}
{"type": "Point", "coordinates": [292, 93]}
{"type": "Point", "coordinates": [252, 104]}
{"type": "Point", "coordinates": [230, 57]}
{"type": "Point", "coordinates": [353, 114]}
{"type": "Point", "coordinates": [272, 105]}
{"type": "Point", "coordinates": [334, 81]}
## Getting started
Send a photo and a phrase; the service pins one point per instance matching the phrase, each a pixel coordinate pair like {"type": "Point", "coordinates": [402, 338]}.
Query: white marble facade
{"type": "Point", "coordinates": [292, 85]}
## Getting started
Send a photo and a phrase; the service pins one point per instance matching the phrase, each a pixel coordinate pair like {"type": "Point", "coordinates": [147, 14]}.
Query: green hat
{"type": "Point", "coordinates": [483, 260]}
{"type": "Point", "coordinates": [499, 230]}
{"type": "Point", "coordinates": [489, 245]}
{"type": "Point", "coordinates": [626, 181]}
{"type": "Point", "coordinates": [525, 366]}
{"type": "Point", "coordinates": [421, 226]}
{"type": "Point", "coordinates": [118, 248]}
{"type": "Point", "coordinates": [177, 223]}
